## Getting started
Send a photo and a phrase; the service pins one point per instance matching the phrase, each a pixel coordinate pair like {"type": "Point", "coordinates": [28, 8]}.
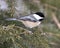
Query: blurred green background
{"type": "Point", "coordinates": [12, 33]}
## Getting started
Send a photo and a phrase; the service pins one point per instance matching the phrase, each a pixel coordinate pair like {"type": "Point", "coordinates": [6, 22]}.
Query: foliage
{"type": "Point", "coordinates": [52, 2]}
{"type": "Point", "coordinates": [31, 6]}
{"type": "Point", "coordinates": [13, 35]}
{"type": "Point", "coordinates": [11, 5]}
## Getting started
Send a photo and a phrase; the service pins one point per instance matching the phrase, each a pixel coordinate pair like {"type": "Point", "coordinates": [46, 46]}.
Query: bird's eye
{"type": "Point", "coordinates": [40, 19]}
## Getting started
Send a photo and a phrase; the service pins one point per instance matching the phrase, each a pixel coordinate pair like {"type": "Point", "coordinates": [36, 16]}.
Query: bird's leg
{"type": "Point", "coordinates": [41, 31]}
{"type": "Point", "coordinates": [30, 30]}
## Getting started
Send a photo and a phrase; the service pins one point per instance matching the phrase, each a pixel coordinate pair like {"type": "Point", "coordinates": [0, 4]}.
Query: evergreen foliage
{"type": "Point", "coordinates": [13, 35]}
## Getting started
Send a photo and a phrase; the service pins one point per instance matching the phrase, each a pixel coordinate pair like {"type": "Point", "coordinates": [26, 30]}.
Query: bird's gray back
{"type": "Point", "coordinates": [28, 18]}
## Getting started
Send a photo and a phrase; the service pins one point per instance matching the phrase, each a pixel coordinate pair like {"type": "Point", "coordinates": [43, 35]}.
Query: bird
{"type": "Point", "coordinates": [30, 21]}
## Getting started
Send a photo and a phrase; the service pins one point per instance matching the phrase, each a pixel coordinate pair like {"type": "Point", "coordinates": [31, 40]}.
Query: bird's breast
{"type": "Point", "coordinates": [30, 24]}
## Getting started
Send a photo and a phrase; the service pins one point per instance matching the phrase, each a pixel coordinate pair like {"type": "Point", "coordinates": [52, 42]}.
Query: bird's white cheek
{"type": "Point", "coordinates": [37, 16]}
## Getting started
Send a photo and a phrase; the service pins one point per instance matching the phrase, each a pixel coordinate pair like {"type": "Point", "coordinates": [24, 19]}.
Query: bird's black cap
{"type": "Point", "coordinates": [40, 14]}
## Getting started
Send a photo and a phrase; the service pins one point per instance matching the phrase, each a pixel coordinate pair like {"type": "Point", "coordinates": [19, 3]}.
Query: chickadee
{"type": "Point", "coordinates": [30, 21]}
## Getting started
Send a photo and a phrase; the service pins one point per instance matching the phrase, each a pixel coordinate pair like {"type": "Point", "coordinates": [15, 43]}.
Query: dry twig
{"type": "Point", "coordinates": [56, 20]}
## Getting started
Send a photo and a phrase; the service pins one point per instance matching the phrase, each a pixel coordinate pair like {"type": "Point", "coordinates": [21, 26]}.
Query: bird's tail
{"type": "Point", "coordinates": [10, 19]}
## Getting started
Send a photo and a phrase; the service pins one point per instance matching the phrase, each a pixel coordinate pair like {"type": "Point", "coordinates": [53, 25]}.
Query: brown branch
{"type": "Point", "coordinates": [55, 20]}
{"type": "Point", "coordinates": [52, 7]}
{"type": "Point", "coordinates": [53, 14]}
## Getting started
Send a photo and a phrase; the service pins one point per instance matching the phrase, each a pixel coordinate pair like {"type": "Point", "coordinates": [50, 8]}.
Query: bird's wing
{"type": "Point", "coordinates": [28, 18]}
